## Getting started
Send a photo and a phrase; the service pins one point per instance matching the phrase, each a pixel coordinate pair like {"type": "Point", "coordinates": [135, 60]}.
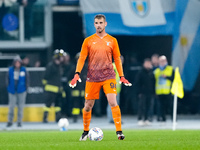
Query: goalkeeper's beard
{"type": "Point", "coordinates": [100, 30]}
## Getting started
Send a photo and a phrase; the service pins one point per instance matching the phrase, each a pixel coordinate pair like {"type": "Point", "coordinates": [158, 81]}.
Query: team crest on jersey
{"type": "Point", "coordinates": [108, 43]}
{"type": "Point", "coordinates": [140, 7]}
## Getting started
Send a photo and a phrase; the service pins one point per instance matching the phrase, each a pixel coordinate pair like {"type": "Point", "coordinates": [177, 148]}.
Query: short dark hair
{"type": "Point", "coordinates": [155, 55]}
{"type": "Point", "coordinates": [99, 16]}
{"type": "Point", "coordinates": [147, 59]}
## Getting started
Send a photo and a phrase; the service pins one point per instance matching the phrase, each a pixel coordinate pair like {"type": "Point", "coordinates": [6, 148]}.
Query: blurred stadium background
{"type": "Point", "coordinates": [168, 28]}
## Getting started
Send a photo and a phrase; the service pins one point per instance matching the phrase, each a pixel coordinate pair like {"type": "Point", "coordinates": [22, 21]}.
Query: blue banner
{"type": "Point", "coordinates": [130, 17]}
{"type": "Point", "coordinates": [186, 49]}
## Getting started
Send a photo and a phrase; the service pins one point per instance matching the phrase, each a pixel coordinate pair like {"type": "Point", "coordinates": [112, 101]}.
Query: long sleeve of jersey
{"type": "Point", "coordinates": [117, 59]}
{"type": "Point", "coordinates": [83, 56]}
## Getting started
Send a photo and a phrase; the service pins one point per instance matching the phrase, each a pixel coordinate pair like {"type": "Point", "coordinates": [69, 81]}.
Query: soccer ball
{"type": "Point", "coordinates": [95, 134]}
{"type": "Point", "coordinates": [63, 123]}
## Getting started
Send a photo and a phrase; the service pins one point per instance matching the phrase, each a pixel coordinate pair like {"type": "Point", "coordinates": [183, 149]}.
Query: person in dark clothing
{"type": "Point", "coordinates": [54, 92]}
{"type": "Point", "coordinates": [133, 68]}
{"type": "Point", "coordinates": [155, 61]}
{"type": "Point", "coordinates": [145, 83]}
{"type": "Point", "coordinates": [67, 66]}
{"type": "Point", "coordinates": [25, 61]}
{"type": "Point", "coordinates": [155, 104]}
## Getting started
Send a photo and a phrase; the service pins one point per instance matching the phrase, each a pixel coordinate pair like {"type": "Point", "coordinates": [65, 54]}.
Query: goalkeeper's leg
{"type": "Point", "coordinates": [87, 114]}
{"type": "Point", "coordinates": [116, 113]}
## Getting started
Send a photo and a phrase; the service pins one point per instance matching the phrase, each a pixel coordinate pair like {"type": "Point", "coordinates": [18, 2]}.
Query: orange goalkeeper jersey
{"type": "Point", "coordinates": [100, 52]}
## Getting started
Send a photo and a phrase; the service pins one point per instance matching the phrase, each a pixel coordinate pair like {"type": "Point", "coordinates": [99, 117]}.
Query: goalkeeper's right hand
{"type": "Point", "coordinates": [74, 80]}
{"type": "Point", "coordinates": [126, 82]}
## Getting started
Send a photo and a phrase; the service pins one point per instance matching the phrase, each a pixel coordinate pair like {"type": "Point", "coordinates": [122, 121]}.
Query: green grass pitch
{"type": "Point", "coordinates": [135, 140]}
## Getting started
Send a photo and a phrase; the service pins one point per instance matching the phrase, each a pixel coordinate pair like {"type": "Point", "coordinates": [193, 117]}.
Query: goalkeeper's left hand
{"type": "Point", "coordinates": [126, 82]}
{"type": "Point", "coordinates": [74, 80]}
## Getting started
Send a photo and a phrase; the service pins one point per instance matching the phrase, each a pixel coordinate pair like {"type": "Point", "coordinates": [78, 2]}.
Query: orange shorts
{"type": "Point", "coordinates": [92, 89]}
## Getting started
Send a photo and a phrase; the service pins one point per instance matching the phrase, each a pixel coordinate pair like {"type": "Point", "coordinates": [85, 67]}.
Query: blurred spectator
{"type": "Point", "coordinates": [109, 112]}
{"type": "Point", "coordinates": [17, 81]}
{"type": "Point", "coordinates": [28, 16]}
{"type": "Point", "coordinates": [5, 6]}
{"type": "Point", "coordinates": [145, 83]}
{"type": "Point", "coordinates": [155, 61]}
{"type": "Point", "coordinates": [54, 92]}
{"type": "Point", "coordinates": [66, 107]}
{"type": "Point", "coordinates": [164, 76]}
{"type": "Point", "coordinates": [37, 63]}
{"type": "Point", "coordinates": [155, 104]}
{"type": "Point", "coordinates": [66, 59]}
{"type": "Point", "coordinates": [133, 67]}
{"type": "Point", "coordinates": [25, 61]}
{"type": "Point", "coordinates": [78, 93]}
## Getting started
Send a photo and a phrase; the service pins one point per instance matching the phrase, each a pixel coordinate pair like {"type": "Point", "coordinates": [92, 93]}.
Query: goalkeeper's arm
{"type": "Point", "coordinates": [118, 64]}
{"type": "Point", "coordinates": [79, 66]}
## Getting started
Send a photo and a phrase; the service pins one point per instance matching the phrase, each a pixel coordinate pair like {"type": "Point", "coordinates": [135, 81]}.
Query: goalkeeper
{"type": "Point", "coordinates": [100, 48]}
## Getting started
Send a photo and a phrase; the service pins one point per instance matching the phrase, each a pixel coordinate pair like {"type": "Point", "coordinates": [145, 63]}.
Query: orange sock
{"type": "Point", "coordinates": [86, 119]}
{"type": "Point", "coordinates": [116, 113]}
